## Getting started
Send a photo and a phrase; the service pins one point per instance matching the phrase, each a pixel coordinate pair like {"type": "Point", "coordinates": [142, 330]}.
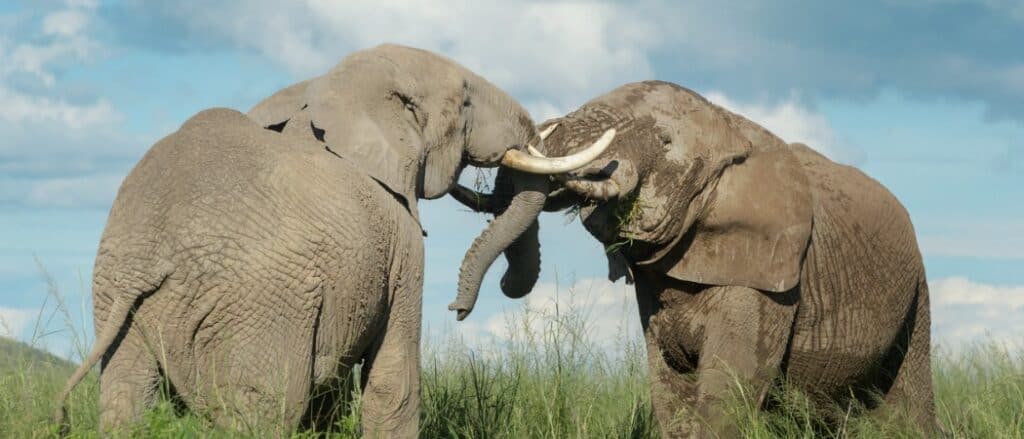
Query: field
{"type": "Point", "coordinates": [549, 380]}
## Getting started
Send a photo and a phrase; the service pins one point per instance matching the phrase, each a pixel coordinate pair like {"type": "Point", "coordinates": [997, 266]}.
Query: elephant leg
{"type": "Point", "coordinates": [129, 380]}
{"type": "Point", "coordinates": [330, 402]}
{"type": "Point", "coordinates": [267, 398]}
{"type": "Point", "coordinates": [673, 388]}
{"type": "Point", "coordinates": [256, 377]}
{"type": "Point", "coordinates": [391, 372]}
{"type": "Point", "coordinates": [745, 340]}
{"type": "Point", "coordinates": [911, 391]}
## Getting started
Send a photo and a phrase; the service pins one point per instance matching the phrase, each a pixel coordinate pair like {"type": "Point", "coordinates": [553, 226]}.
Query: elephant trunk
{"type": "Point", "coordinates": [513, 231]}
{"type": "Point", "coordinates": [523, 257]}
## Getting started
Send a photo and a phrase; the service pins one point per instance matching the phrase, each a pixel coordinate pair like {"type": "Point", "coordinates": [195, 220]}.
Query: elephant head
{"type": "Point", "coordinates": [686, 188]}
{"type": "Point", "coordinates": [413, 120]}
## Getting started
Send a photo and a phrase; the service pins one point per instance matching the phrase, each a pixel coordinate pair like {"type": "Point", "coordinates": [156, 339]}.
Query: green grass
{"type": "Point", "coordinates": [548, 380]}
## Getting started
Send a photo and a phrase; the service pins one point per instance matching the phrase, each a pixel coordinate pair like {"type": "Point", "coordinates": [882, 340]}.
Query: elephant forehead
{"type": "Point", "coordinates": [582, 127]}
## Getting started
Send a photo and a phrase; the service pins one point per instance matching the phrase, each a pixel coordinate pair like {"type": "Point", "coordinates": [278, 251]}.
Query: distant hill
{"type": "Point", "coordinates": [15, 355]}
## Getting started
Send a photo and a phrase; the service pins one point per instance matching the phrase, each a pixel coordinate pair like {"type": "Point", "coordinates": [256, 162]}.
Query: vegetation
{"type": "Point", "coordinates": [549, 379]}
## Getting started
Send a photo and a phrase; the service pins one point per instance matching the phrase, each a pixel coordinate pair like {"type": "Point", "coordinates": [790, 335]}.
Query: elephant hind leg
{"type": "Point", "coordinates": [391, 380]}
{"type": "Point", "coordinates": [391, 368]}
{"type": "Point", "coordinates": [911, 390]}
{"type": "Point", "coordinates": [330, 402]}
{"type": "Point", "coordinates": [257, 401]}
{"type": "Point", "coordinates": [129, 380]}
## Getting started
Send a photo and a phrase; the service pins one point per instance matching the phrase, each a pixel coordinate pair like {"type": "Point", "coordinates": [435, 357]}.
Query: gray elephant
{"type": "Point", "coordinates": [752, 258]}
{"type": "Point", "coordinates": [250, 261]}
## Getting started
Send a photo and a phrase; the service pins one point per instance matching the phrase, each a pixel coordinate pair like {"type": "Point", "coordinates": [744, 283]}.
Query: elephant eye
{"type": "Point", "coordinates": [411, 106]}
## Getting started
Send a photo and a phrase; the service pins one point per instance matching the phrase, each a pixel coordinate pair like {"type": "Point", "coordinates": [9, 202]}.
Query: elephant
{"type": "Point", "coordinates": [250, 261]}
{"type": "Point", "coordinates": [752, 260]}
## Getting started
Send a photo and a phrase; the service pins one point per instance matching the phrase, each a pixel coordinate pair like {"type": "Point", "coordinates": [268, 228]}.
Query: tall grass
{"type": "Point", "coordinates": [549, 378]}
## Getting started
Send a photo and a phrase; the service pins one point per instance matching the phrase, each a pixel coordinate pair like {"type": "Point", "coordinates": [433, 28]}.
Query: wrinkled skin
{"type": "Point", "coordinates": [752, 259]}
{"type": "Point", "coordinates": [250, 261]}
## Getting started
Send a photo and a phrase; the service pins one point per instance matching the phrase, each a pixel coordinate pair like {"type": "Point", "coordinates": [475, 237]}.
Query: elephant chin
{"type": "Point", "coordinates": [514, 232]}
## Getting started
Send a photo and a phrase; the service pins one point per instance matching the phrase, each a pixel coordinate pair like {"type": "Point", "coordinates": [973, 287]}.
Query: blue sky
{"type": "Point", "coordinates": [927, 96]}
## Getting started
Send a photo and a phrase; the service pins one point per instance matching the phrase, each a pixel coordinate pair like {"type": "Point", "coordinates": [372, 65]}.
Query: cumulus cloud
{"type": "Point", "coordinates": [604, 313]}
{"type": "Point", "coordinates": [563, 52]}
{"type": "Point", "coordinates": [974, 238]}
{"type": "Point", "coordinates": [966, 311]}
{"type": "Point", "coordinates": [13, 321]}
{"type": "Point", "coordinates": [963, 311]}
{"type": "Point", "coordinates": [52, 147]}
{"type": "Point", "coordinates": [62, 38]}
{"type": "Point", "coordinates": [792, 122]}
{"type": "Point", "coordinates": [17, 108]}
{"type": "Point", "coordinates": [85, 191]}
{"type": "Point", "coordinates": [568, 51]}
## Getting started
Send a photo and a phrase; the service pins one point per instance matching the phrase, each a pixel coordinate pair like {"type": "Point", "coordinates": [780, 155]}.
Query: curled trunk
{"type": "Point", "coordinates": [513, 231]}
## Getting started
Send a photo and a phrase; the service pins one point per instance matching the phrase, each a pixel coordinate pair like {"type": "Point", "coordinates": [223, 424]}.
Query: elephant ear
{"type": "Point", "coordinates": [382, 140]}
{"type": "Point", "coordinates": [754, 229]}
{"type": "Point", "coordinates": [443, 162]}
{"type": "Point", "coordinates": [276, 110]}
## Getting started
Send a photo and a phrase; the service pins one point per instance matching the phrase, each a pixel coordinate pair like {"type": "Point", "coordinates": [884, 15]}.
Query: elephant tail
{"type": "Point", "coordinates": [123, 304]}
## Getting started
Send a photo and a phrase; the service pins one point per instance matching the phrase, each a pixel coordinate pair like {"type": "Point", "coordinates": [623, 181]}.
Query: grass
{"type": "Point", "coordinates": [550, 379]}
{"type": "Point", "coordinates": [627, 209]}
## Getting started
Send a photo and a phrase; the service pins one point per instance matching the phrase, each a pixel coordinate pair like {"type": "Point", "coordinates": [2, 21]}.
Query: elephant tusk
{"type": "Point", "coordinates": [521, 161]}
{"type": "Point", "coordinates": [547, 131]}
{"type": "Point", "coordinates": [543, 136]}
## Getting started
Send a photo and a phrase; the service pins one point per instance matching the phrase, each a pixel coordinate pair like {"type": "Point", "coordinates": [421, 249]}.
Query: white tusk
{"type": "Point", "coordinates": [543, 135]}
{"type": "Point", "coordinates": [519, 160]}
{"type": "Point", "coordinates": [547, 131]}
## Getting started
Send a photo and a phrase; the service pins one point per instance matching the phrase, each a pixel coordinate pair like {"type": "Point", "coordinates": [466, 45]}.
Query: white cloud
{"type": "Point", "coordinates": [68, 22]}
{"type": "Point", "coordinates": [791, 122]}
{"type": "Point", "coordinates": [65, 39]}
{"type": "Point", "coordinates": [605, 312]}
{"type": "Point", "coordinates": [42, 132]}
{"type": "Point", "coordinates": [564, 52]}
{"type": "Point", "coordinates": [963, 311]}
{"type": "Point", "coordinates": [13, 321]}
{"type": "Point", "coordinates": [974, 238]}
{"type": "Point", "coordinates": [19, 108]}
{"type": "Point", "coordinates": [966, 311]}
{"type": "Point", "coordinates": [86, 191]}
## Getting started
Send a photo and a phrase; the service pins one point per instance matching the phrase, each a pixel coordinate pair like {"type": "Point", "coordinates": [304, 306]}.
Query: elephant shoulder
{"type": "Point", "coordinates": [280, 106]}
{"type": "Point", "coordinates": [852, 206]}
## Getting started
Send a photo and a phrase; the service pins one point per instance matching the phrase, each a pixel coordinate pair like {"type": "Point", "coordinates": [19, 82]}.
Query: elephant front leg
{"type": "Point", "coordinates": [745, 339]}
{"type": "Point", "coordinates": [673, 388]}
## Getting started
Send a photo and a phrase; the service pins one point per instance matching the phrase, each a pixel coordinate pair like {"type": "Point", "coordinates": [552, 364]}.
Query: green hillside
{"type": "Point", "coordinates": [15, 356]}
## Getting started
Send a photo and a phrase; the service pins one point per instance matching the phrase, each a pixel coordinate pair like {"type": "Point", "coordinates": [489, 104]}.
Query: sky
{"type": "Point", "coordinates": [926, 96]}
